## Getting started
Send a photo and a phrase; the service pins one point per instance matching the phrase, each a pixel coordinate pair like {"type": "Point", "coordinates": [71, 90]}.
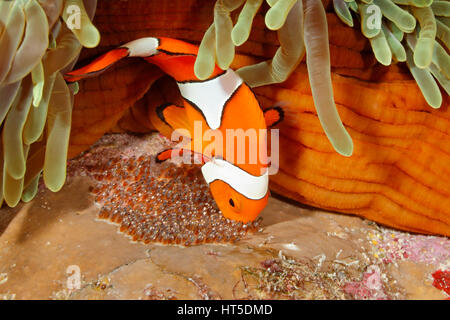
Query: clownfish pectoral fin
{"type": "Point", "coordinates": [166, 155]}
{"type": "Point", "coordinates": [97, 66]}
{"type": "Point", "coordinates": [173, 116]}
{"type": "Point", "coordinates": [273, 116]}
{"type": "Point", "coordinates": [180, 152]}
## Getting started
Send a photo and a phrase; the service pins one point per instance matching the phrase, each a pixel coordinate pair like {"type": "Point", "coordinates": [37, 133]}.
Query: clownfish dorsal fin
{"type": "Point", "coordinates": [273, 116]}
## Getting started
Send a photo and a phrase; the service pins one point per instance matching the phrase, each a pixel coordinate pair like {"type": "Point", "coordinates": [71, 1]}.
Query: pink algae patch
{"type": "Point", "coordinates": [392, 246]}
{"type": "Point", "coordinates": [369, 288]}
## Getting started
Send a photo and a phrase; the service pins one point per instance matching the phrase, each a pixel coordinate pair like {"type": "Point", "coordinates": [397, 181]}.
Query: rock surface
{"type": "Point", "coordinates": [55, 247]}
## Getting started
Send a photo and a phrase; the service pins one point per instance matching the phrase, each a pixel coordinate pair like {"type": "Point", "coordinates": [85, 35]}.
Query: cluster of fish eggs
{"type": "Point", "coordinates": [162, 203]}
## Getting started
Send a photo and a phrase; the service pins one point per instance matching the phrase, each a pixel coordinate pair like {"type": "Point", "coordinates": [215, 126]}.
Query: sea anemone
{"type": "Point", "coordinates": [302, 27]}
{"type": "Point", "coordinates": [415, 31]}
{"type": "Point", "coordinates": [39, 41]}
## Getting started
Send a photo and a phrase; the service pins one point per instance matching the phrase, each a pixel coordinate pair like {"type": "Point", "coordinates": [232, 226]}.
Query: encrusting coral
{"type": "Point", "coordinates": [39, 40]}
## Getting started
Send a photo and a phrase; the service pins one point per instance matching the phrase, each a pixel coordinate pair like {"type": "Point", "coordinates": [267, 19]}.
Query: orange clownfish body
{"type": "Point", "coordinates": [219, 108]}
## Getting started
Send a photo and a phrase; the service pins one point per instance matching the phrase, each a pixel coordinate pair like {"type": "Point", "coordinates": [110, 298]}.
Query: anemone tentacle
{"type": "Point", "coordinates": [36, 46]}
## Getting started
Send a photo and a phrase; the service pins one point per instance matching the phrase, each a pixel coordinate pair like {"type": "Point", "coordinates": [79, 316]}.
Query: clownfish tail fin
{"type": "Point", "coordinates": [143, 47]}
{"type": "Point", "coordinates": [97, 66]}
{"type": "Point", "coordinates": [273, 116]}
{"type": "Point", "coordinates": [175, 57]}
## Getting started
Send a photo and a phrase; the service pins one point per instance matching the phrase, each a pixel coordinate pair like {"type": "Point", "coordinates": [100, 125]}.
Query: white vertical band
{"type": "Point", "coordinates": [252, 187]}
{"type": "Point", "coordinates": [210, 96]}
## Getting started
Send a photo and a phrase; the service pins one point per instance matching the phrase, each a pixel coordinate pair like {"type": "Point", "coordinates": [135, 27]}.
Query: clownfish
{"type": "Point", "coordinates": [219, 103]}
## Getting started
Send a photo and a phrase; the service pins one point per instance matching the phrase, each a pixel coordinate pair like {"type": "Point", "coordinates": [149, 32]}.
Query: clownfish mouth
{"type": "Point", "coordinates": [250, 186]}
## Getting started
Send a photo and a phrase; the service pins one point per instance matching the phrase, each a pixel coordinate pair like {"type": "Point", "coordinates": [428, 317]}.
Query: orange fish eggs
{"type": "Point", "coordinates": [160, 203]}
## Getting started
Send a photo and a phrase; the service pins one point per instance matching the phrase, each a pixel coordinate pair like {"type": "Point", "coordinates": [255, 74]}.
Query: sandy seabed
{"type": "Point", "coordinates": [57, 247]}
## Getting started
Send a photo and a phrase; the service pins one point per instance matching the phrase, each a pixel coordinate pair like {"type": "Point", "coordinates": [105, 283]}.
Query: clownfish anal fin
{"type": "Point", "coordinates": [174, 116]}
{"type": "Point", "coordinates": [97, 66]}
{"type": "Point", "coordinates": [179, 152]}
{"type": "Point", "coordinates": [273, 116]}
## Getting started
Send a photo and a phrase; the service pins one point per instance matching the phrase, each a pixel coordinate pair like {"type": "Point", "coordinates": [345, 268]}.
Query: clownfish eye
{"type": "Point", "coordinates": [231, 202]}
